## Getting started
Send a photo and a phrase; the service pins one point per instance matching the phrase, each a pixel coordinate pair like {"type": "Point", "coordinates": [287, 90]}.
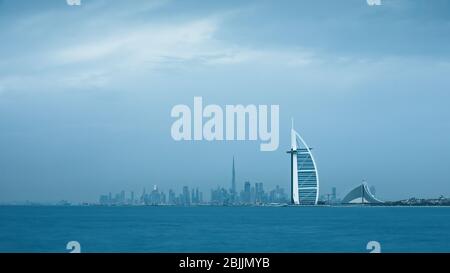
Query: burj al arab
{"type": "Point", "coordinates": [304, 175]}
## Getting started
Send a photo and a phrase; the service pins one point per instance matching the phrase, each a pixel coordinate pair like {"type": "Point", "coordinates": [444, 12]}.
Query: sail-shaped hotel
{"type": "Point", "coordinates": [304, 175]}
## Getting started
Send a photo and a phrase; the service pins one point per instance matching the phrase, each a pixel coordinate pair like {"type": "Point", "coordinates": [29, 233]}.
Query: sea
{"type": "Point", "coordinates": [205, 229]}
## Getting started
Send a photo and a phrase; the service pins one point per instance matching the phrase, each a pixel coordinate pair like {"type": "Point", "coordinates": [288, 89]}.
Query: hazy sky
{"type": "Point", "coordinates": [86, 93]}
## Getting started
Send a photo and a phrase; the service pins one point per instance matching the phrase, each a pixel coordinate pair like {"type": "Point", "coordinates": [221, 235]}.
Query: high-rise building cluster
{"type": "Point", "coordinates": [155, 197]}
{"type": "Point", "coordinates": [249, 195]}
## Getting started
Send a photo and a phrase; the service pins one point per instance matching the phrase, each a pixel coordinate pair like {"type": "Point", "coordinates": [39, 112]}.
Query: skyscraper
{"type": "Point", "coordinates": [122, 197]}
{"type": "Point", "coordinates": [197, 196]}
{"type": "Point", "coordinates": [155, 196]}
{"type": "Point", "coordinates": [143, 197]}
{"type": "Point", "coordinates": [247, 192]}
{"type": "Point", "coordinates": [172, 197]}
{"type": "Point", "coordinates": [186, 197]}
{"type": "Point", "coordinates": [259, 192]}
{"type": "Point", "coordinates": [304, 175]}
{"type": "Point", "coordinates": [233, 183]}
{"type": "Point", "coordinates": [132, 198]}
{"type": "Point", "coordinates": [333, 194]}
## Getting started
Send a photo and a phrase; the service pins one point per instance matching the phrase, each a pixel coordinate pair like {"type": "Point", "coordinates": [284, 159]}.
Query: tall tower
{"type": "Point", "coordinates": [233, 182]}
{"type": "Point", "coordinates": [304, 175]}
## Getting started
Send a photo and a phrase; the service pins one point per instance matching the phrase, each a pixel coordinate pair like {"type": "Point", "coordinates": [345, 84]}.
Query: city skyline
{"type": "Point", "coordinates": [249, 195]}
{"type": "Point", "coordinates": [186, 197]}
{"type": "Point", "coordinates": [252, 194]}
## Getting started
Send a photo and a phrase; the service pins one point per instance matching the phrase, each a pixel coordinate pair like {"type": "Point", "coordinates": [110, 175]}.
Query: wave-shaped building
{"type": "Point", "coordinates": [304, 175]}
{"type": "Point", "coordinates": [361, 195]}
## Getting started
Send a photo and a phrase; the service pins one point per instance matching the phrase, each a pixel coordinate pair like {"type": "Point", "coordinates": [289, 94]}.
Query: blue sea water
{"type": "Point", "coordinates": [224, 229]}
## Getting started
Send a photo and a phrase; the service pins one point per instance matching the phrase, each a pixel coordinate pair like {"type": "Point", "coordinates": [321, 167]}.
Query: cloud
{"type": "Point", "coordinates": [106, 52]}
{"type": "Point", "coordinates": [155, 45]}
{"type": "Point", "coordinates": [144, 44]}
{"type": "Point", "coordinates": [73, 2]}
{"type": "Point", "coordinates": [93, 58]}
{"type": "Point", "coordinates": [373, 2]}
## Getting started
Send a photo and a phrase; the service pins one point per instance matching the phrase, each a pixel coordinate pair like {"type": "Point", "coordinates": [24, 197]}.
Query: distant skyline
{"type": "Point", "coordinates": [86, 93]}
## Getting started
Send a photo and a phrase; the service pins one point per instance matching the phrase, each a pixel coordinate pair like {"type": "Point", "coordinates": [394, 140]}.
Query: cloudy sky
{"type": "Point", "coordinates": [86, 93]}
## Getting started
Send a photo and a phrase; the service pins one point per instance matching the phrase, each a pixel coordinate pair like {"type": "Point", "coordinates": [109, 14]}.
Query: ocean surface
{"type": "Point", "coordinates": [224, 229]}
